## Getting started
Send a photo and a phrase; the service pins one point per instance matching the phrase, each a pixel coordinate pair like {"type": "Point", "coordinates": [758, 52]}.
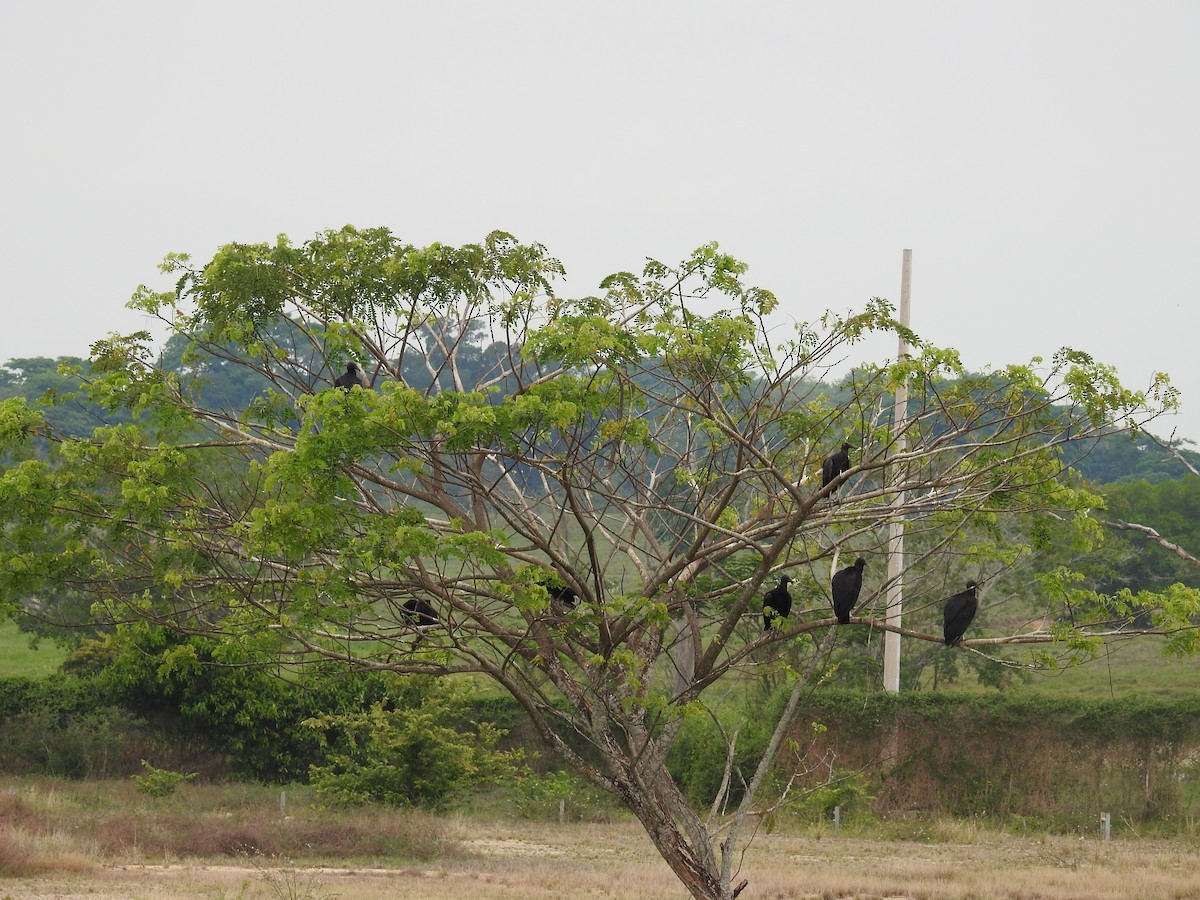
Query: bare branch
{"type": "Point", "coordinates": [1154, 536]}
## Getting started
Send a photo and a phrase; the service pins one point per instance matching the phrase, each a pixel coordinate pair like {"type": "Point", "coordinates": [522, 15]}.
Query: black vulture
{"type": "Point", "coordinates": [558, 590]}
{"type": "Point", "coordinates": [352, 376]}
{"type": "Point", "coordinates": [847, 583]}
{"type": "Point", "coordinates": [777, 602]}
{"type": "Point", "coordinates": [958, 613]}
{"type": "Point", "coordinates": [835, 465]}
{"type": "Point", "coordinates": [419, 613]}
{"type": "Point", "coordinates": [563, 595]}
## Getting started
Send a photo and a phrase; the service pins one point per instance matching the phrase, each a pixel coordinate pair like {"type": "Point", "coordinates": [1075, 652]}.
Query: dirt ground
{"type": "Point", "coordinates": [616, 862]}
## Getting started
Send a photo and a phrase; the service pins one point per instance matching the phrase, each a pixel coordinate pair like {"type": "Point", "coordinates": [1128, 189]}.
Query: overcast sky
{"type": "Point", "coordinates": [1039, 158]}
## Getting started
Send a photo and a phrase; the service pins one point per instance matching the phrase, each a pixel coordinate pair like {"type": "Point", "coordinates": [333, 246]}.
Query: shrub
{"type": "Point", "coordinates": [408, 756]}
{"type": "Point", "coordinates": [849, 790]}
{"type": "Point", "coordinates": [71, 744]}
{"type": "Point", "coordinates": [698, 758]}
{"type": "Point", "coordinates": [539, 797]}
{"type": "Point", "coordinates": [159, 783]}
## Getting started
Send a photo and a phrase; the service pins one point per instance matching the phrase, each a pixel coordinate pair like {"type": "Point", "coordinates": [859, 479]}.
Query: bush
{"type": "Point", "coordinates": [218, 695]}
{"type": "Point", "coordinates": [408, 756]}
{"type": "Point", "coordinates": [191, 704]}
{"type": "Point", "coordinates": [160, 783]}
{"type": "Point", "coordinates": [699, 755]}
{"type": "Point", "coordinates": [76, 744]}
{"type": "Point", "coordinates": [849, 790]}
{"type": "Point", "coordinates": [539, 797]}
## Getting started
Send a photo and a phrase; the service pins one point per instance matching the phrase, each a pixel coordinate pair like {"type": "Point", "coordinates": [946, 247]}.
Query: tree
{"type": "Point", "coordinates": [54, 383]}
{"type": "Point", "coordinates": [656, 450]}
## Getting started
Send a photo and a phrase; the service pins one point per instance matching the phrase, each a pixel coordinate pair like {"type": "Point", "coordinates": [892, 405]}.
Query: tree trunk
{"type": "Point", "coordinates": [695, 867]}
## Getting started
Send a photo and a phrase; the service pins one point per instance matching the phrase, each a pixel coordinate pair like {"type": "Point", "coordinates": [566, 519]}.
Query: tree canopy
{"type": "Point", "coordinates": [654, 449]}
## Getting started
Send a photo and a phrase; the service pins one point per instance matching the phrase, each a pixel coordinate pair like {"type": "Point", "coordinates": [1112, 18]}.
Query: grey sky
{"type": "Point", "coordinates": [1039, 158]}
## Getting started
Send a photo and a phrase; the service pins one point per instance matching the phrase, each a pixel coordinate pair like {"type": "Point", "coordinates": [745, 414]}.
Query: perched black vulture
{"type": "Point", "coordinates": [419, 613]}
{"type": "Point", "coordinates": [563, 595]}
{"type": "Point", "coordinates": [777, 602]}
{"type": "Point", "coordinates": [835, 465]}
{"type": "Point", "coordinates": [847, 583]}
{"type": "Point", "coordinates": [559, 592]}
{"type": "Point", "coordinates": [958, 613]}
{"type": "Point", "coordinates": [352, 376]}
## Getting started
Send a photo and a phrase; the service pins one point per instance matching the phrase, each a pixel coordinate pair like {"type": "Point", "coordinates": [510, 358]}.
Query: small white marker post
{"type": "Point", "coordinates": [837, 820]}
{"type": "Point", "coordinates": [1106, 825]}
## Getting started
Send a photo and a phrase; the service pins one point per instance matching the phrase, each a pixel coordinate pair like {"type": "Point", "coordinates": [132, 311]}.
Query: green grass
{"type": "Point", "coordinates": [1132, 667]}
{"type": "Point", "coordinates": [18, 658]}
{"type": "Point", "coordinates": [1121, 669]}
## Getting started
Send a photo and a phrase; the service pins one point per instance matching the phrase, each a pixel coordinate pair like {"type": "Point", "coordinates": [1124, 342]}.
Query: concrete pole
{"type": "Point", "coordinates": [895, 566]}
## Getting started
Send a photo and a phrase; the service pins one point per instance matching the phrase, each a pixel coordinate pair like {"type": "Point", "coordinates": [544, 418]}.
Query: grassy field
{"type": "Point", "coordinates": [18, 658]}
{"type": "Point", "coordinates": [1122, 668]}
{"type": "Point", "coordinates": [103, 840]}
{"type": "Point", "coordinates": [1132, 667]}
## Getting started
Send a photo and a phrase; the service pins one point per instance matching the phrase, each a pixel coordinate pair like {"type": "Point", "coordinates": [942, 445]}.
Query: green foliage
{"type": "Point", "coordinates": [548, 795]}
{"type": "Point", "coordinates": [219, 694]}
{"type": "Point", "coordinates": [80, 740]}
{"type": "Point", "coordinates": [699, 755]}
{"type": "Point", "coordinates": [698, 759]}
{"type": "Point", "coordinates": [254, 715]}
{"type": "Point", "coordinates": [1120, 457]}
{"type": "Point", "coordinates": [59, 694]}
{"type": "Point", "coordinates": [410, 755]}
{"type": "Point", "coordinates": [166, 697]}
{"type": "Point", "coordinates": [160, 783]}
{"type": "Point", "coordinates": [1132, 559]}
{"type": "Point", "coordinates": [849, 790]}
{"type": "Point", "coordinates": [52, 388]}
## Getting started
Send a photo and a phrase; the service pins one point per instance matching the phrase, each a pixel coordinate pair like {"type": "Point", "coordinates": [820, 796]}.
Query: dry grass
{"type": "Point", "coordinates": [115, 822]}
{"type": "Point", "coordinates": [67, 841]}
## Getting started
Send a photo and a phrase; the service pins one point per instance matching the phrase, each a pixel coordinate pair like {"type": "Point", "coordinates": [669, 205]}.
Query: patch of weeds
{"type": "Point", "coordinates": [289, 883]}
{"type": "Point", "coordinates": [16, 857]}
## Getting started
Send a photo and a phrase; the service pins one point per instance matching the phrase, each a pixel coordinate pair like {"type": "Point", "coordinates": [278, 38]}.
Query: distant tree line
{"type": "Point", "coordinates": [226, 384]}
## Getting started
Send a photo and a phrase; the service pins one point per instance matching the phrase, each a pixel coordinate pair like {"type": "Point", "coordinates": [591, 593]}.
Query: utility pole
{"type": "Point", "coordinates": [895, 566]}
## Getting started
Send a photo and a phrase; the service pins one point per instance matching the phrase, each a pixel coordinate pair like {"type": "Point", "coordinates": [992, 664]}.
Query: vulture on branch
{"type": "Point", "coordinates": [846, 585]}
{"type": "Point", "coordinates": [777, 603]}
{"type": "Point", "coordinates": [352, 376]}
{"type": "Point", "coordinates": [834, 466]}
{"type": "Point", "coordinates": [958, 613]}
